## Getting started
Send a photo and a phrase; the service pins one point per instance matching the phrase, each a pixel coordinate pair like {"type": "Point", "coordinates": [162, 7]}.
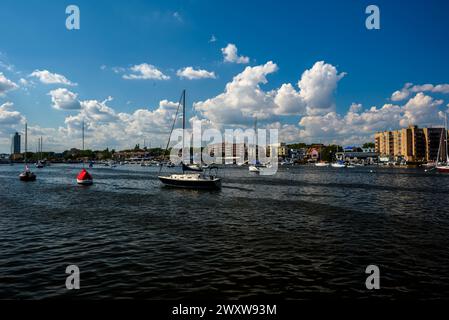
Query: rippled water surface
{"type": "Point", "coordinates": [304, 233]}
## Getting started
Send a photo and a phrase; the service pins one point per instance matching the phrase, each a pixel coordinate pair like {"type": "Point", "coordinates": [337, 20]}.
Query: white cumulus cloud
{"type": "Point", "coordinates": [10, 119]}
{"type": "Point", "coordinates": [6, 84]}
{"type": "Point", "coordinates": [317, 87]}
{"type": "Point", "coordinates": [145, 71]}
{"type": "Point", "coordinates": [191, 74]}
{"type": "Point", "coordinates": [243, 97]}
{"type": "Point", "coordinates": [63, 99]}
{"type": "Point", "coordinates": [230, 54]}
{"type": "Point", "coordinates": [48, 77]}
{"type": "Point", "coordinates": [410, 88]}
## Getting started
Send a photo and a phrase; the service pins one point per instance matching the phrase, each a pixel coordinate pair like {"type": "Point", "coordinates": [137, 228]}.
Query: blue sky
{"type": "Point", "coordinates": [411, 47]}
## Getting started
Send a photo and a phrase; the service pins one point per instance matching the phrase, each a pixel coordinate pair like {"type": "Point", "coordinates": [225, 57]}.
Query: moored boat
{"type": "Point", "coordinates": [338, 164]}
{"type": "Point", "coordinates": [443, 167]}
{"type": "Point", "coordinates": [27, 175]}
{"type": "Point", "coordinates": [191, 181]}
{"type": "Point", "coordinates": [321, 164]}
{"type": "Point", "coordinates": [200, 180]}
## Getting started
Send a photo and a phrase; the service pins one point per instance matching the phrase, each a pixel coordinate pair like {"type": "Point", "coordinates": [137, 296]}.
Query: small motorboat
{"type": "Point", "coordinates": [84, 178]}
{"type": "Point", "coordinates": [321, 164]}
{"type": "Point", "coordinates": [338, 164]}
{"type": "Point", "coordinates": [39, 165]}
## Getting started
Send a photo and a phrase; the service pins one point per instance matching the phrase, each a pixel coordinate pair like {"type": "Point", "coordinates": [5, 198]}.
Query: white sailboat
{"type": "Point", "coordinates": [257, 167]}
{"type": "Point", "coordinates": [39, 163]}
{"type": "Point", "coordinates": [27, 175]}
{"type": "Point", "coordinates": [339, 163]}
{"type": "Point", "coordinates": [189, 180]}
{"type": "Point", "coordinates": [321, 163]}
{"type": "Point", "coordinates": [443, 166]}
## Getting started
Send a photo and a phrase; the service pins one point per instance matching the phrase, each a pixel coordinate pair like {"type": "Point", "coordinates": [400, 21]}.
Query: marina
{"type": "Point", "coordinates": [304, 232]}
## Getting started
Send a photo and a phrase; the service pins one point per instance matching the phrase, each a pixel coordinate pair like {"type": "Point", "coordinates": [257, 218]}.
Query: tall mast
{"type": "Point", "coordinates": [183, 122]}
{"type": "Point", "coordinates": [256, 140]}
{"type": "Point", "coordinates": [445, 137]}
{"type": "Point", "coordinates": [440, 146]}
{"type": "Point", "coordinates": [173, 126]}
{"type": "Point", "coordinates": [26, 142]}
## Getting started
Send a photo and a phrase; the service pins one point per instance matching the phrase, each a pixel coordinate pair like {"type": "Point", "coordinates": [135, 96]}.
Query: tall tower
{"type": "Point", "coordinates": [16, 143]}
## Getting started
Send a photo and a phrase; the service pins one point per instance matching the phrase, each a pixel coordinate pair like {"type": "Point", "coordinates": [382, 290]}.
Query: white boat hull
{"type": "Point", "coordinates": [321, 164]}
{"type": "Point", "coordinates": [253, 169]}
{"type": "Point", "coordinates": [190, 181]}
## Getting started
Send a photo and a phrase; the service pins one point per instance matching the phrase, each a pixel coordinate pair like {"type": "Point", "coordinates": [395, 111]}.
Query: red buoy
{"type": "Point", "coordinates": [84, 178]}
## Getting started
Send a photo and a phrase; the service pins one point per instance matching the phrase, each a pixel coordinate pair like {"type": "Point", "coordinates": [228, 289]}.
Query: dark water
{"type": "Point", "coordinates": [305, 233]}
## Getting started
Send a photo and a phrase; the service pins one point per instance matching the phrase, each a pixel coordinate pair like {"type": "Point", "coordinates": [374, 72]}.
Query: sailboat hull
{"type": "Point", "coordinates": [27, 177]}
{"type": "Point", "coordinates": [253, 169]}
{"type": "Point", "coordinates": [321, 164]}
{"type": "Point", "coordinates": [443, 169]}
{"type": "Point", "coordinates": [205, 184]}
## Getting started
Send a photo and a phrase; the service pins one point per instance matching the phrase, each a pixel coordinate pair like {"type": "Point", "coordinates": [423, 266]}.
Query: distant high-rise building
{"type": "Point", "coordinates": [16, 143]}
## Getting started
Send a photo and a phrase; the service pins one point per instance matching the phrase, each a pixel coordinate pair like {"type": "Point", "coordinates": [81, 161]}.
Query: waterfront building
{"type": "Point", "coordinates": [358, 156]}
{"type": "Point", "coordinates": [230, 153]}
{"type": "Point", "coordinates": [432, 143]}
{"type": "Point", "coordinates": [298, 154]}
{"type": "Point", "coordinates": [313, 152]}
{"type": "Point", "coordinates": [16, 143]}
{"type": "Point", "coordinates": [282, 150]}
{"type": "Point", "coordinates": [411, 144]}
{"type": "Point", "coordinates": [384, 143]}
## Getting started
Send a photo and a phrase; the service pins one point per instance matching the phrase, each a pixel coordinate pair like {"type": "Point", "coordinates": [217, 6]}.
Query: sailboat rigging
{"type": "Point", "coordinates": [256, 167]}
{"type": "Point", "coordinates": [443, 166]}
{"type": "Point", "coordinates": [199, 180]}
{"type": "Point", "coordinates": [39, 163]}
